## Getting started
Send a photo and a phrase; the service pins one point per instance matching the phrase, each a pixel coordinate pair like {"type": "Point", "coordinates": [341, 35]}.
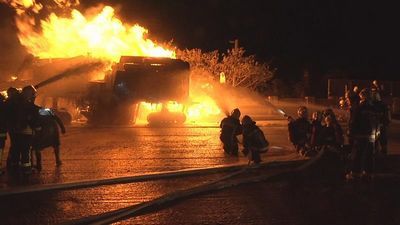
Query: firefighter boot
{"type": "Point", "coordinates": [57, 155]}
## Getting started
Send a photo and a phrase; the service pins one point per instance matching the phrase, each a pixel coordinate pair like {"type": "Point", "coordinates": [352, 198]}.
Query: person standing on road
{"type": "Point", "coordinates": [27, 117]}
{"type": "Point", "coordinates": [47, 136]}
{"type": "Point", "coordinates": [230, 128]}
{"type": "Point", "coordinates": [254, 141]}
{"type": "Point", "coordinates": [362, 128]}
{"type": "Point", "coordinates": [383, 114]}
{"type": "Point", "coordinates": [11, 105]}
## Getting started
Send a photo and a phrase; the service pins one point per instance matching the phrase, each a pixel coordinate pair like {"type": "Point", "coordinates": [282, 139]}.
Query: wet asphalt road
{"type": "Point", "coordinates": [96, 153]}
{"type": "Point", "coordinates": [90, 153]}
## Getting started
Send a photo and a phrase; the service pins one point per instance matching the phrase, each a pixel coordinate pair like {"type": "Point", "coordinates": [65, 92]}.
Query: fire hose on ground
{"type": "Point", "coordinates": [129, 179]}
{"type": "Point", "coordinates": [219, 184]}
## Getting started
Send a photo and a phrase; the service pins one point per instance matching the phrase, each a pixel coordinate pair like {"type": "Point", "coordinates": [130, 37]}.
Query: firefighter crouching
{"type": "Point", "coordinates": [254, 141]}
{"type": "Point", "coordinates": [331, 134]}
{"type": "Point", "coordinates": [230, 128]}
{"type": "Point", "coordinates": [362, 130]}
{"type": "Point", "coordinates": [47, 136]}
{"type": "Point", "coordinates": [26, 117]}
{"type": "Point", "coordinates": [300, 131]}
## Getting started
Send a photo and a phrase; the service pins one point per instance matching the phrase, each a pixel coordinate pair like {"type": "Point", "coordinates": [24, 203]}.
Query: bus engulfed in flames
{"type": "Point", "coordinates": [141, 79]}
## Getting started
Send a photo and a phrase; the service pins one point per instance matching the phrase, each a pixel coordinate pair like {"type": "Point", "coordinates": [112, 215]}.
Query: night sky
{"type": "Point", "coordinates": [356, 38]}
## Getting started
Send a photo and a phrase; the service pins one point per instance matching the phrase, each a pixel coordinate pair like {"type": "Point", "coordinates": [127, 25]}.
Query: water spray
{"type": "Point", "coordinates": [80, 69]}
{"type": "Point", "coordinates": [282, 112]}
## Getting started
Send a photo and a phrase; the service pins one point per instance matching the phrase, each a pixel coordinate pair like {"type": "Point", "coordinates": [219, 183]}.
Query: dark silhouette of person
{"type": "Point", "coordinates": [254, 141]}
{"type": "Point", "coordinates": [230, 128]}
{"type": "Point", "coordinates": [47, 136]}
{"type": "Point", "coordinates": [300, 131]}
{"type": "Point", "coordinates": [362, 128]}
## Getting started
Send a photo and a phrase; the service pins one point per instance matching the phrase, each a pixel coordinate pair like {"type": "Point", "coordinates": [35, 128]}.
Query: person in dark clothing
{"type": "Point", "coordinates": [377, 88]}
{"type": "Point", "coordinates": [383, 115]}
{"type": "Point", "coordinates": [331, 133]}
{"type": "Point", "coordinates": [354, 95]}
{"type": "Point", "coordinates": [300, 131]}
{"type": "Point", "coordinates": [230, 128]}
{"type": "Point", "coordinates": [351, 99]}
{"type": "Point", "coordinates": [352, 106]}
{"type": "Point", "coordinates": [11, 104]}
{"type": "Point", "coordinates": [254, 141]}
{"type": "Point", "coordinates": [26, 121]}
{"type": "Point", "coordinates": [316, 126]}
{"type": "Point", "coordinates": [47, 136]}
{"type": "Point", "coordinates": [3, 129]}
{"type": "Point", "coordinates": [362, 128]}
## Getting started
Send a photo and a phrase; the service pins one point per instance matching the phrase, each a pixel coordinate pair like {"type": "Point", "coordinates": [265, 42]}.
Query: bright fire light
{"type": "Point", "coordinates": [222, 78]}
{"type": "Point", "coordinates": [201, 110]}
{"type": "Point", "coordinates": [101, 36]}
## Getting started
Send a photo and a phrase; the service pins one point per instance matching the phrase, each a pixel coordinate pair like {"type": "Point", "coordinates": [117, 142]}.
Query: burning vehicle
{"type": "Point", "coordinates": [134, 80]}
{"type": "Point", "coordinates": [116, 98]}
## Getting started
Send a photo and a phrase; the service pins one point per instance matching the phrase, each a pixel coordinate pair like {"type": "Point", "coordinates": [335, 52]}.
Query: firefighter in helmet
{"type": "Point", "coordinates": [11, 105]}
{"type": "Point", "coordinates": [47, 136]}
{"type": "Point", "coordinates": [300, 131]}
{"type": "Point", "coordinates": [362, 130]}
{"type": "Point", "coordinates": [254, 141]}
{"type": "Point", "coordinates": [230, 128]}
{"type": "Point", "coordinates": [383, 114]}
{"type": "Point", "coordinates": [26, 122]}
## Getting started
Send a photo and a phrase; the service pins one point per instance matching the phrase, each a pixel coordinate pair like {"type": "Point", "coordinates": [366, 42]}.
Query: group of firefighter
{"type": "Point", "coordinates": [368, 123]}
{"type": "Point", "coordinates": [254, 141]}
{"type": "Point", "coordinates": [30, 129]}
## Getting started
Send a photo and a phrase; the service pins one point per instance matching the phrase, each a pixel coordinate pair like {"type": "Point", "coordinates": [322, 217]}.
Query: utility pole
{"type": "Point", "coordinates": [235, 44]}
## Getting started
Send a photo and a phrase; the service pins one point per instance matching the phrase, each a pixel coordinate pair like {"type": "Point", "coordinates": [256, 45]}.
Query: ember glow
{"type": "Point", "coordinates": [202, 109]}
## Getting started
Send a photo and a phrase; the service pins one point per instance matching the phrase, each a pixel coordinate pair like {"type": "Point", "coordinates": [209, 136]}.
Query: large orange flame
{"type": "Point", "coordinates": [102, 36]}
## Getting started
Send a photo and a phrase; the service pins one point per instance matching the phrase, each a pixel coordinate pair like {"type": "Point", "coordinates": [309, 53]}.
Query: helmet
{"type": "Point", "coordinates": [355, 89]}
{"type": "Point", "coordinates": [302, 112]}
{"type": "Point", "coordinates": [29, 93]}
{"type": "Point", "coordinates": [236, 113]}
{"type": "Point", "coordinates": [12, 91]}
{"type": "Point", "coordinates": [246, 120]}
